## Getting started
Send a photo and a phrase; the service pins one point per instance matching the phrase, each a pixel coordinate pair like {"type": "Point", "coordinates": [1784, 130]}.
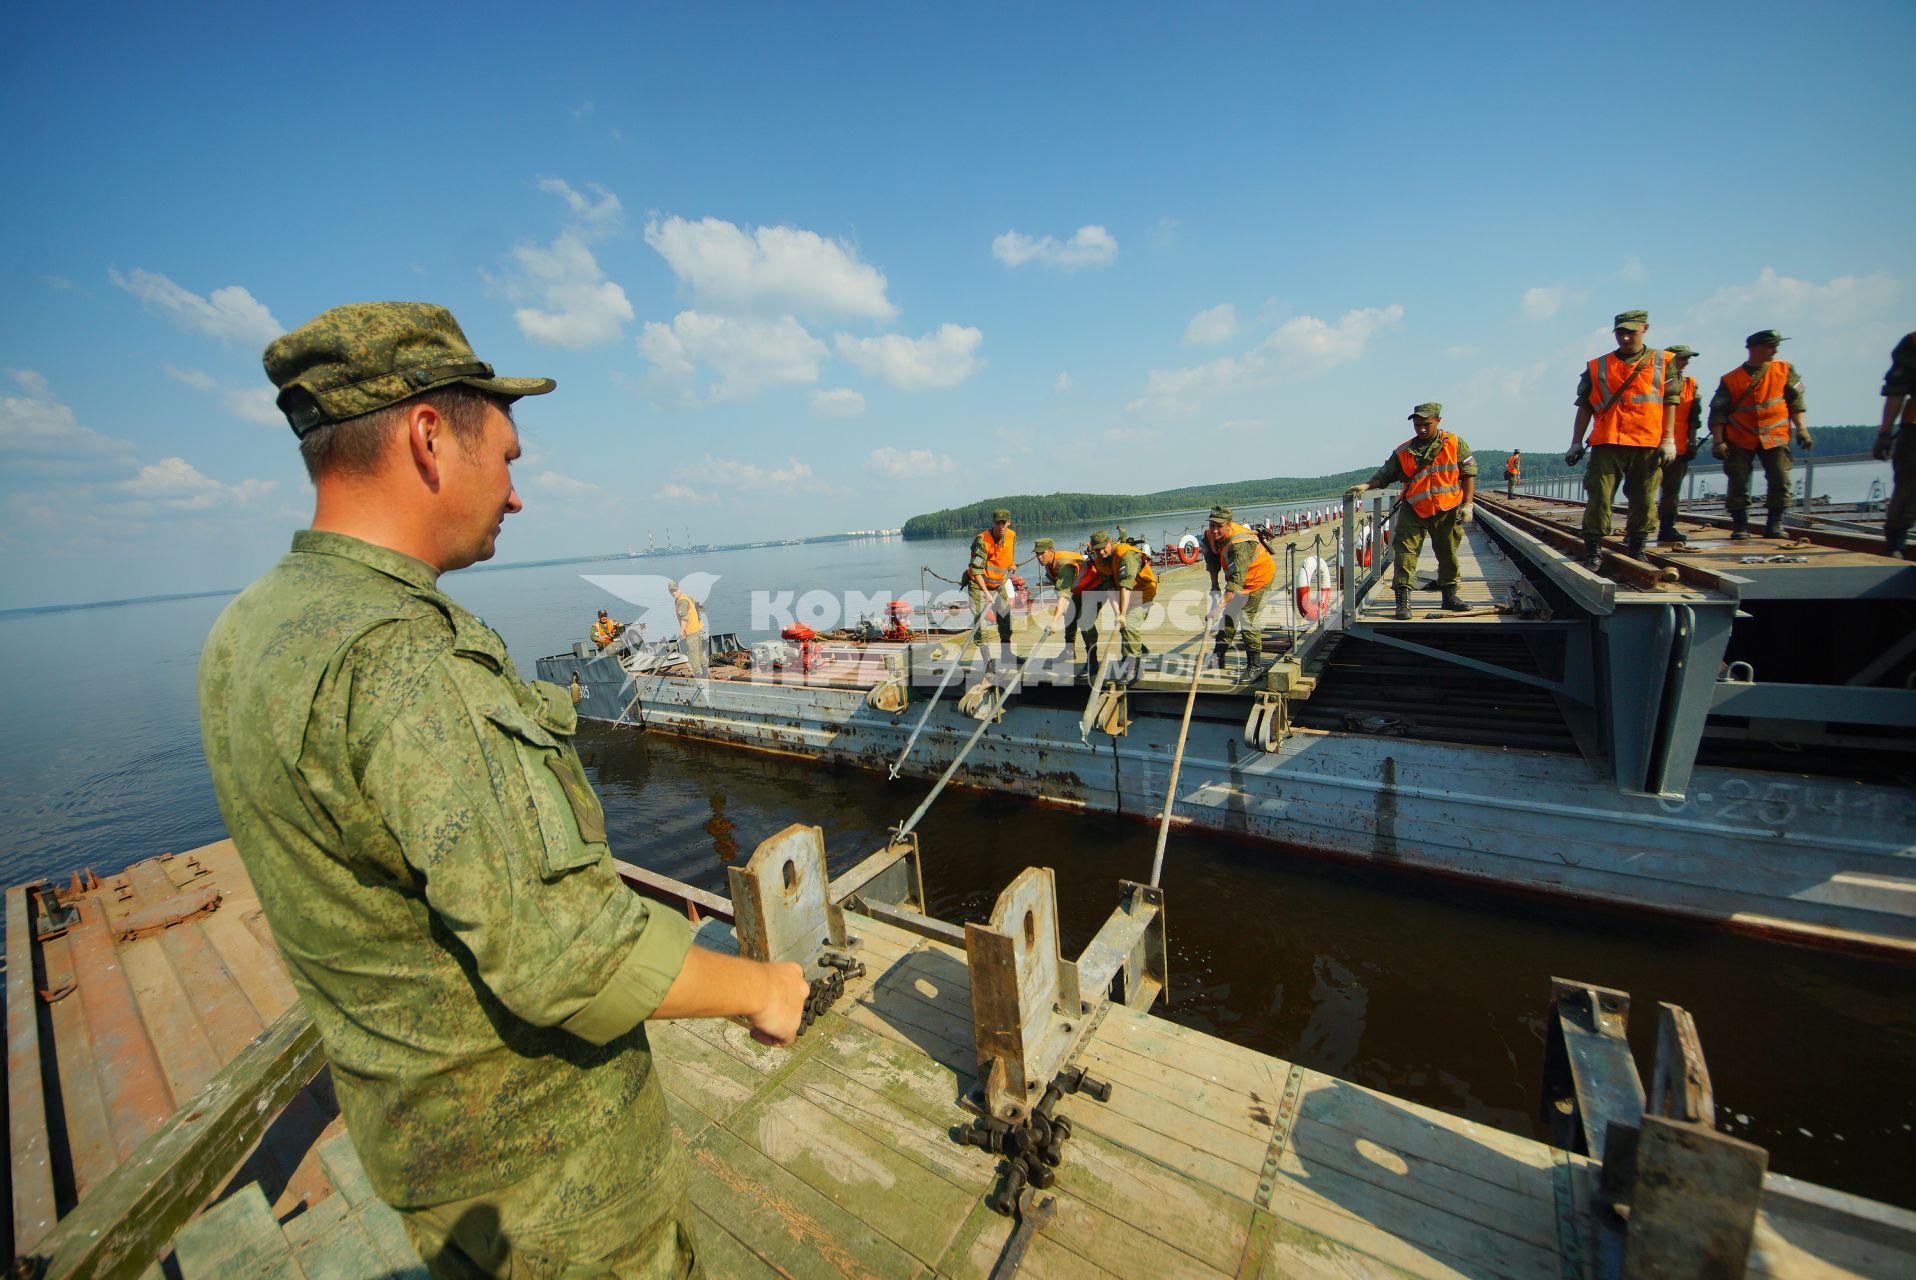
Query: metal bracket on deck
{"type": "Point", "coordinates": [782, 904]}
{"type": "Point", "coordinates": [1026, 1013]}
{"type": "Point", "coordinates": [1112, 712]}
{"type": "Point", "coordinates": [1268, 722]}
{"type": "Point", "coordinates": [1682, 1198]}
{"type": "Point", "coordinates": [1128, 961]}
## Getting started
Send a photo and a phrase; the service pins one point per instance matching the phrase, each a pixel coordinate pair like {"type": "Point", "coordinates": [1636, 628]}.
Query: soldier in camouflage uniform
{"type": "Point", "coordinates": [1439, 474]}
{"type": "Point", "coordinates": [993, 556]}
{"type": "Point", "coordinates": [430, 857]}
{"type": "Point", "coordinates": [1125, 578]}
{"type": "Point", "coordinates": [1756, 412]}
{"type": "Point", "coordinates": [1896, 443]}
{"type": "Point", "coordinates": [1234, 554]}
{"type": "Point", "coordinates": [1070, 576]}
{"type": "Point", "coordinates": [1689, 422]}
{"type": "Point", "coordinates": [1627, 400]}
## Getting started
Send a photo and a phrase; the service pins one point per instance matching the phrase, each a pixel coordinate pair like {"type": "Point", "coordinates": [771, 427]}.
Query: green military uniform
{"type": "Point", "coordinates": [1062, 575]}
{"type": "Point", "coordinates": [692, 644]}
{"type": "Point", "coordinates": [1121, 574]}
{"type": "Point", "coordinates": [1242, 615]}
{"type": "Point", "coordinates": [1689, 424]}
{"type": "Point", "coordinates": [1444, 529]}
{"type": "Point", "coordinates": [1738, 462]}
{"type": "Point", "coordinates": [1638, 468]}
{"type": "Point", "coordinates": [1900, 384]}
{"type": "Point", "coordinates": [979, 563]}
{"type": "Point", "coordinates": [434, 869]}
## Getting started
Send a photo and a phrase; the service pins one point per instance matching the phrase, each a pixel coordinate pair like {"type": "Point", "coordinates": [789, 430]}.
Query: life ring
{"type": "Point", "coordinates": [1313, 588]}
{"type": "Point", "coordinates": [1364, 545]}
{"type": "Point", "coordinates": [1188, 549]}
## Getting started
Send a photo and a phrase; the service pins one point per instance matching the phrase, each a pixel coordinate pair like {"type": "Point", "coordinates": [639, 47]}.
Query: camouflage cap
{"type": "Point", "coordinates": [673, 587]}
{"type": "Point", "coordinates": [366, 355]}
{"type": "Point", "coordinates": [1764, 338]}
{"type": "Point", "coordinates": [999, 513]}
{"type": "Point", "coordinates": [1100, 539]}
{"type": "Point", "coordinates": [1428, 409]}
{"type": "Point", "coordinates": [1221, 514]}
{"type": "Point", "coordinates": [1680, 350]}
{"type": "Point", "coordinates": [1631, 320]}
{"type": "Point", "coordinates": [1043, 544]}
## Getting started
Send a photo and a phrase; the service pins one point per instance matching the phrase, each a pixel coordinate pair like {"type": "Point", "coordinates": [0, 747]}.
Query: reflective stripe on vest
{"type": "Point", "coordinates": [1636, 417]}
{"type": "Point", "coordinates": [1263, 569]}
{"type": "Point", "coordinates": [1683, 412]}
{"type": "Point", "coordinates": [1512, 467]}
{"type": "Point", "coordinates": [689, 625]}
{"type": "Point", "coordinates": [1066, 564]}
{"type": "Point", "coordinates": [1761, 416]}
{"type": "Point", "coordinates": [1439, 486]}
{"type": "Point", "coordinates": [1112, 560]}
{"type": "Point", "coordinates": [999, 558]}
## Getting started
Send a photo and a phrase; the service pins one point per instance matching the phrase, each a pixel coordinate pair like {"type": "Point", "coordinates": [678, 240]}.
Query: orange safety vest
{"type": "Point", "coordinates": [1634, 392]}
{"type": "Point", "coordinates": [1683, 415]}
{"type": "Point", "coordinates": [1088, 576]}
{"type": "Point", "coordinates": [1066, 563]}
{"type": "Point", "coordinates": [1263, 570]}
{"type": "Point", "coordinates": [605, 631]}
{"type": "Point", "coordinates": [999, 559]}
{"type": "Point", "coordinates": [1439, 486]}
{"type": "Point", "coordinates": [1759, 417]}
{"type": "Point", "coordinates": [1147, 587]}
{"type": "Point", "coordinates": [1512, 467]}
{"type": "Point", "coordinates": [689, 625]}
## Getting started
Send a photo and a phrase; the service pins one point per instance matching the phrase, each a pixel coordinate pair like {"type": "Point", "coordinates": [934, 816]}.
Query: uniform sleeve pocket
{"type": "Point", "coordinates": [570, 822]}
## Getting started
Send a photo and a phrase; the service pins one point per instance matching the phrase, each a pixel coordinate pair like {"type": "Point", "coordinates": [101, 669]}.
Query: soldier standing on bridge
{"type": "Point", "coordinates": [1513, 472]}
{"type": "Point", "coordinates": [1233, 550]}
{"type": "Point", "coordinates": [1631, 400]}
{"type": "Point", "coordinates": [993, 555]}
{"type": "Point", "coordinates": [1070, 575]}
{"type": "Point", "coordinates": [430, 857]}
{"type": "Point", "coordinates": [1756, 408]}
{"type": "Point", "coordinates": [1127, 577]}
{"type": "Point", "coordinates": [1689, 418]}
{"type": "Point", "coordinates": [1897, 444]}
{"type": "Point", "coordinates": [1440, 479]}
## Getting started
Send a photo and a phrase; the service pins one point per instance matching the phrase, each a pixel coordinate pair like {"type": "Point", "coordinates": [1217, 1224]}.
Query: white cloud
{"type": "Point", "coordinates": [195, 378]}
{"type": "Point", "coordinates": [1062, 384]}
{"type": "Point", "coordinates": [61, 283]}
{"type": "Point", "coordinates": [1209, 328]}
{"type": "Point", "coordinates": [1542, 303]}
{"type": "Point", "coordinates": [229, 314]}
{"type": "Point", "coordinates": [915, 464]}
{"type": "Point", "coordinates": [943, 358]}
{"type": "Point", "coordinates": [39, 432]}
{"type": "Point", "coordinates": [560, 483]}
{"type": "Point", "coordinates": [1128, 435]}
{"type": "Point", "coordinates": [672, 492]}
{"type": "Point", "coordinates": [1632, 269]}
{"type": "Point", "coordinates": [1241, 424]}
{"type": "Point", "coordinates": [1089, 246]}
{"type": "Point", "coordinates": [746, 355]}
{"type": "Point", "coordinates": [1298, 348]}
{"type": "Point", "coordinates": [173, 484]}
{"type": "Point", "coordinates": [579, 306]}
{"type": "Point", "coordinates": [732, 475]}
{"type": "Point", "coordinates": [602, 211]}
{"type": "Point", "coordinates": [839, 402]}
{"type": "Point", "coordinates": [1778, 301]}
{"type": "Point", "coordinates": [771, 269]}
{"type": "Point", "coordinates": [249, 404]}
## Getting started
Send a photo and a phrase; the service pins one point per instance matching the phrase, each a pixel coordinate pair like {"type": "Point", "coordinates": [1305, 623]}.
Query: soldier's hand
{"type": "Point", "coordinates": [1466, 512]}
{"type": "Point", "coordinates": [1881, 449]}
{"type": "Point", "coordinates": [1668, 450]}
{"type": "Point", "coordinates": [1804, 439]}
{"type": "Point", "coordinates": [1355, 490]}
{"type": "Point", "coordinates": [1573, 456]}
{"type": "Point", "coordinates": [786, 991]}
{"type": "Point", "coordinates": [1718, 449]}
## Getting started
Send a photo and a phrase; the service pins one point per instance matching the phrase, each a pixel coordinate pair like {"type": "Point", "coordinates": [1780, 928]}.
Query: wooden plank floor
{"type": "Point", "coordinates": [1485, 576]}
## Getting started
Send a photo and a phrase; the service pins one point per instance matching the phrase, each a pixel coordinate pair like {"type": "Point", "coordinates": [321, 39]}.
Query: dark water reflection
{"type": "Point", "coordinates": [1426, 989]}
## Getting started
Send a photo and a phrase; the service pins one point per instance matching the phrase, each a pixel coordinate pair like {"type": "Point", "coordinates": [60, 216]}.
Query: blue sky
{"type": "Point", "coordinates": [806, 268]}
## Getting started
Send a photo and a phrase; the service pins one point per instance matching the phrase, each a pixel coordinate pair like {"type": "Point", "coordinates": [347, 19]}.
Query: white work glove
{"type": "Point", "coordinates": [1668, 450]}
{"type": "Point", "coordinates": [1355, 490]}
{"type": "Point", "coordinates": [1573, 456]}
{"type": "Point", "coordinates": [1465, 512]}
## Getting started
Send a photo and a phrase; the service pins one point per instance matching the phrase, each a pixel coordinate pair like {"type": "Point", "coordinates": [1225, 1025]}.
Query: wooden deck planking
{"type": "Point", "coordinates": [30, 1154]}
{"type": "Point", "coordinates": [91, 1149]}
{"type": "Point", "coordinates": [131, 1082]}
{"type": "Point", "coordinates": [186, 1054]}
{"type": "Point", "coordinates": [260, 973]}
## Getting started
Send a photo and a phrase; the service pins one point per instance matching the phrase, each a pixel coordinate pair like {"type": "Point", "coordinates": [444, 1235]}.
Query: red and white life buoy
{"type": "Point", "coordinates": [1313, 588]}
{"type": "Point", "coordinates": [1364, 544]}
{"type": "Point", "coordinates": [1188, 549]}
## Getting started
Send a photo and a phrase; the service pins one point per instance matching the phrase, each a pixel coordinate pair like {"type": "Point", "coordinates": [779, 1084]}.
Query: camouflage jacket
{"type": "Point", "coordinates": [435, 871]}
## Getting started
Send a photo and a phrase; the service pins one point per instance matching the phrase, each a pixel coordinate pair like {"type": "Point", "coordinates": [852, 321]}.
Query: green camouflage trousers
{"type": "Point", "coordinates": [1671, 488]}
{"type": "Point", "coordinates": [1446, 533]}
{"type": "Point", "coordinates": [1901, 512]}
{"type": "Point", "coordinates": [1776, 472]}
{"type": "Point", "coordinates": [1639, 467]}
{"type": "Point", "coordinates": [1242, 614]}
{"type": "Point", "coordinates": [978, 605]}
{"type": "Point", "coordinates": [536, 1229]}
{"type": "Point", "coordinates": [1130, 643]}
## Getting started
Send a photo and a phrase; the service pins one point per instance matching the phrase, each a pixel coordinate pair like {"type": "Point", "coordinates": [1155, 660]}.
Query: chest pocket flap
{"type": "Point", "coordinates": [571, 824]}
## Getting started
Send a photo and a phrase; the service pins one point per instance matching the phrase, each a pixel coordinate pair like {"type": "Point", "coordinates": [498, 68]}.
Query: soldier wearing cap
{"type": "Point", "coordinates": [1070, 574]}
{"type": "Point", "coordinates": [692, 635]}
{"type": "Point", "coordinates": [993, 556]}
{"type": "Point", "coordinates": [1689, 420]}
{"type": "Point", "coordinates": [1235, 552]}
{"type": "Point", "coordinates": [431, 859]}
{"type": "Point", "coordinates": [1125, 576]}
{"type": "Point", "coordinates": [1757, 407]}
{"type": "Point", "coordinates": [605, 630]}
{"type": "Point", "coordinates": [1439, 474]}
{"type": "Point", "coordinates": [1896, 444]}
{"type": "Point", "coordinates": [1513, 472]}
{"type": "Point", "coordinates": [1630, 398]}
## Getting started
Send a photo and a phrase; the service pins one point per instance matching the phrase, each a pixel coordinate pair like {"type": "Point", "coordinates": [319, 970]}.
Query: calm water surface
{"type": "Point", "coordinates": [1428, 990]}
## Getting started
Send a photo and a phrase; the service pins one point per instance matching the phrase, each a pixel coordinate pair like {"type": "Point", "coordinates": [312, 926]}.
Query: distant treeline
{"type": "Point", "coordinates": [1032, 511]}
